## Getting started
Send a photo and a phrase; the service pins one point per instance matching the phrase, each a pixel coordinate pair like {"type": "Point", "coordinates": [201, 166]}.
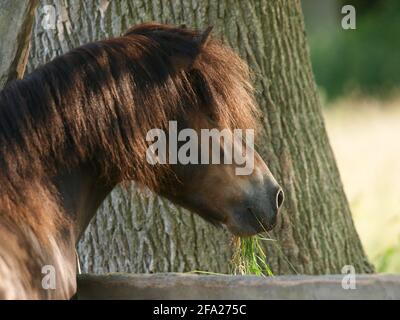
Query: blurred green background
{"type": "Point", "coordinates": [358, 75]}
{"type": "Point", "coordinates": [366, 59]}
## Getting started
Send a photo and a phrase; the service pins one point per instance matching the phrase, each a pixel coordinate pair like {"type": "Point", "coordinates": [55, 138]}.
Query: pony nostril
{"type": "Point", "coordinates": [279, 199]}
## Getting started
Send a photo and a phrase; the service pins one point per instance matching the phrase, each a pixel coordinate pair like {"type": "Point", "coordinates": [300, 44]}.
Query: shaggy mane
{"type": "Point", "coordinates": [95, 104]}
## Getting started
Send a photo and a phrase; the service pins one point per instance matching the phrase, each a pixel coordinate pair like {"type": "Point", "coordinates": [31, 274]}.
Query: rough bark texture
{"type": "Point", "coordinates": [147, 234]}
{"type": "Point", "coordinates": [16, 23]}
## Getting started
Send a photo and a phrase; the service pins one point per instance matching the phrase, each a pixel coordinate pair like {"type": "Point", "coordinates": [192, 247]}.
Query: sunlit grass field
{"type": "Point", "coordinates": [365, 136]}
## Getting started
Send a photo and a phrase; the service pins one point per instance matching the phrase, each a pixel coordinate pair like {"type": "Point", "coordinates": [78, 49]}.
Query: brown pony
{"type": "Point", "coordinates": [74, 128]}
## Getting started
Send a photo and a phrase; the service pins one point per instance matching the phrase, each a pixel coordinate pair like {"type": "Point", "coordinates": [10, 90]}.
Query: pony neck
{"type": "Point", "coordinates": [81, 192]}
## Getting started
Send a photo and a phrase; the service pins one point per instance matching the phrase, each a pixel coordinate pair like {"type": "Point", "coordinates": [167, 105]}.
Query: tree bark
{"type": "Point", "coordinates": [315, 233]}
{"type": "Point", "coordinates": [16, 23]}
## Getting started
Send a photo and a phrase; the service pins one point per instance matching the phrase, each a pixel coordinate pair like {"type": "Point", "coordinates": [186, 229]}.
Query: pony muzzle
{"type": "Point", "coordinates": [258, 213]}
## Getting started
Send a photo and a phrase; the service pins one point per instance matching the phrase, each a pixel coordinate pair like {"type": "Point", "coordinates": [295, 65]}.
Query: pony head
{"type": "Point", "coordinates": [201, 144]}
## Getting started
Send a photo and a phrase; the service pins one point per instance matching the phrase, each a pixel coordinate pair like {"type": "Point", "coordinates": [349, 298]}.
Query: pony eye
{"type": "Point", "coordinates": [212, 117]}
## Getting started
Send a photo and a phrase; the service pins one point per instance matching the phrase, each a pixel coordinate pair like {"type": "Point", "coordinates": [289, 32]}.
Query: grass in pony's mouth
{"type": "Point", "coordinates": [249, 256]}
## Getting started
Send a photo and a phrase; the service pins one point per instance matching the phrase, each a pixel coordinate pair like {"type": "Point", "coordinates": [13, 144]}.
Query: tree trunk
{"type": "Point", "coordinates": [135, 233]}
{"type": "Point", "coordinates": [16, 23]}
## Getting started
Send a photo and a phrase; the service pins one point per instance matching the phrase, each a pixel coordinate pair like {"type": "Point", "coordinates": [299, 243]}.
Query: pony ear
{"type": "Point", "coordinates": [204, 37]}
{"type": "Point", "coordinates": [186, 63]}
